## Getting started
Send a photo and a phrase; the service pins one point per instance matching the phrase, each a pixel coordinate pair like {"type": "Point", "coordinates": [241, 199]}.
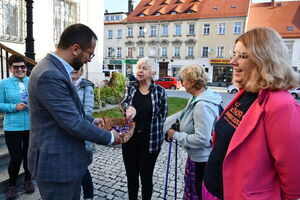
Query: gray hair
{"type": "Point", "coordinates": [150, 62]}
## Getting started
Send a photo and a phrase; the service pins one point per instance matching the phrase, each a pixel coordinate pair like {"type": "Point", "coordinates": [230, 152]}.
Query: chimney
{"type": "Point", "coordinates": [130, 6]}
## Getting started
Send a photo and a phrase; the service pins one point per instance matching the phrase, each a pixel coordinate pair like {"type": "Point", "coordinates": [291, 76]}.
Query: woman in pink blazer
{"type": "Point", "coordinates": [256, 153]}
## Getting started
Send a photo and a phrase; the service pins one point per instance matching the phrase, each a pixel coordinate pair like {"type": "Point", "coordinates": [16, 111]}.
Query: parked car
{"type": "Point", "coordinates": [169, 83]}
{"type": "Point", "coordinates": [295, 92]}
{"type": "Point", "coordinates": [232, 89]}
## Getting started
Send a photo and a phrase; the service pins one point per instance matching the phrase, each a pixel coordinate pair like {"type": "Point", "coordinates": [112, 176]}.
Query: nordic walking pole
{"type": "Point", "coordinates": [176, 145]}
{"type": "Point", "coordinates": [167, 173]}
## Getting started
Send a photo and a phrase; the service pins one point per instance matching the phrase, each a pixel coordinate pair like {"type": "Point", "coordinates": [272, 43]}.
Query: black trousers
{"type": "Point", "coordinates": [139, 162]}
{"type": "Point", "coordinates": [17, 144]}
{"type": "Point", "coordinates": [200, 168]}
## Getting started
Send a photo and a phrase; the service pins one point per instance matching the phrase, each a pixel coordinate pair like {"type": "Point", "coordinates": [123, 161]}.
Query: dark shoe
{"type": "Point", "coordinates": [29, 187]}
{"type": "Point", "coordinates": [11, 193]}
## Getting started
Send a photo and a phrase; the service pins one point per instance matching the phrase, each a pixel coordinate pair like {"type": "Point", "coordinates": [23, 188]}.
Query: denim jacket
{"type": "Point", "coordinates": [9, 97]}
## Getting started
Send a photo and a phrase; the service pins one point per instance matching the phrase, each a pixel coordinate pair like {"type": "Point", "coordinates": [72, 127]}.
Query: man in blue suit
{"type": "Point", "coordinates": [56, 156]}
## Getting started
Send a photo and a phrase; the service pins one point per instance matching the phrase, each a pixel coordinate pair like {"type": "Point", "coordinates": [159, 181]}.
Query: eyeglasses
{"type": "Point", "coordinates": [92, 55]}
{"type": "Point", "coordinates": [16, 67]}
{"type": "Point", "coordinates": [75, 72]}
{"type": "Point", "coordinates": [239, 55]}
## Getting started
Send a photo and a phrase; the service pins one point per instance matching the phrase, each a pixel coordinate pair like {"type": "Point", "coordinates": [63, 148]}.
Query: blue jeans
{"type": "Point", "coordinates": [87, 185]}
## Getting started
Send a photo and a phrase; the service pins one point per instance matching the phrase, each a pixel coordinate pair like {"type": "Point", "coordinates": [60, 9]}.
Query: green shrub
{"type": "Point", "coordinates": [113, 92]}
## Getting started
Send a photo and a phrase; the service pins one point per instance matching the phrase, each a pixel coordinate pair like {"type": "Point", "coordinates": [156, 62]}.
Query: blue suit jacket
{"type": "Point", "coordinates": [59, 125]}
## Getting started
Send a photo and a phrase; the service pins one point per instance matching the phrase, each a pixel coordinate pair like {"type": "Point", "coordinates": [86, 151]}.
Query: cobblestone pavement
{"type": "Point", "coordinates": [110, 179]}
{"type": "Point", "coordinates": [109, 175]}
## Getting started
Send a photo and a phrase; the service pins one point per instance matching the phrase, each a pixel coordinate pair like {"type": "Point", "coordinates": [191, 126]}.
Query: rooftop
{"type": "Point", "coordinates": [161, 10]}
{"type": "Point", "coordinates": [284, 17]}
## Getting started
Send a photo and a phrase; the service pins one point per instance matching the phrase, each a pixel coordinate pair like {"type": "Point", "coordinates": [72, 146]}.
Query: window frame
{"type": "Point", "coordinates": [206, 30]}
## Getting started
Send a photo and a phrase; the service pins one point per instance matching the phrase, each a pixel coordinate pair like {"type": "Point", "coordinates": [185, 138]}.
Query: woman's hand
{"type": "Point", "coordinates": [170, 133]}
{"type": "Point", "coordinates": [21, 106]}
{"type": "Point", "coordinates": [130, 113]}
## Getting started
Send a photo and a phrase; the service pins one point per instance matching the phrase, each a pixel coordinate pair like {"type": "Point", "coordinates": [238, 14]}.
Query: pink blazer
{"type": "Point", "coordinates": [263, 158]}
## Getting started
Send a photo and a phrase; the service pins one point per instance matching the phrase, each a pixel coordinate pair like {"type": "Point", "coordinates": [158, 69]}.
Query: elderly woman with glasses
{"type": "Point", "coordinates": [256, 142]}
{"type": "Point", "coordinates": [13, 102]}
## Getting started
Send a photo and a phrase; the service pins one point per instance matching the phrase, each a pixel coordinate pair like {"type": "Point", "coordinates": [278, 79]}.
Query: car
{"type": "Point", "coordinates": [232, 89]}
{"type": "Point", "coordinates": [169, 83]}
{"type": "Point", "coordinates": [295, 92]}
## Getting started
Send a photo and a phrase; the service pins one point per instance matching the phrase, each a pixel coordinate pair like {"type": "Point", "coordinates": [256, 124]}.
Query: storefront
{"type": "Point", "coordinates": [130, 64]}
{"type": "Point", "coordinates": [222, 71]}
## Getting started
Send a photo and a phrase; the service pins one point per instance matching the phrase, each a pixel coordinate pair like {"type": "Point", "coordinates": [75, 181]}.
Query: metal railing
{"type": "Point", "coordinates": [5, 52]}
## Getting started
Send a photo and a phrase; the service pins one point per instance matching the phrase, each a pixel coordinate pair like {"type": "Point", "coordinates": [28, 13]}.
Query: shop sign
{"type": "Point", "coordinates": [115, 62]}
{"type": "Point", "coordinates": [220, 61]}
{"type": "Point", "coordinates": [131, 61]}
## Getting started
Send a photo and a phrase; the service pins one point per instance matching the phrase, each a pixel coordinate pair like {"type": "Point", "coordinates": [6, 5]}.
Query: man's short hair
{"type": "Point", "coordinates": [15, 59]}
{"type": "Point", "coordinates": [76, 34]}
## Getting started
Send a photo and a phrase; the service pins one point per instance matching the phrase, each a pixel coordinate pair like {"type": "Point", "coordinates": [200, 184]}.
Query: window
{"type": "Point", "coordinates": [141, 31]}
{"type": "Point", "coordinates": [152, 51]}
{"type": "Point", "coordinates": [190, 51]}
{"type": "Point", "coordinates": [119, 52]}
{"type": "Point", "coordinates": [118, 18]}
{"type": "Point", "coordinates": [65, 13]}
{"type": "Point", "coordinates": [177, 29]}
{"type": "Point", "coordinates": [107, 18]}
{"type": "Point", "coordinates": [130, 31]}
{"type": "Point", "coordinates": [222, 28]}
{"type": "Point", "coordinates": [112, 18]}
{"type": "Point", "coordinates": [237, 27]}
{"type": "Point", "coordinates": [141, 52]}
{"type": "Point", "coordinates": [220, 51]}
{"type": "Point", "coordinates": [119, 34]}
{"type": "Point", "coordinates": [129, 52]}
{"type": "Point", "coordinates": [204, 51]}
{"type": "Point", "coordinates": [192, 29]}
{"type": "Point", "coordinates": [110, 51]}
{"type": "Point", "coordinates": [165, 30]}
{"type": "Point", "coordinates": [110, 34]}
{"type": "Point", "coordinates": [11, 20]}
{"type": "Point", "coordinates": [153, 30]}
{"type": "Point", "coordinates": [176, 51]}
{"type": "Point", "coordinates": [289, 47]}
{"type": "Point", "coordinates": [206, 29]}
{"type": "Point", "coordinates": [164, 51]}
{"type": "Point", "coordinates": [157, 14]}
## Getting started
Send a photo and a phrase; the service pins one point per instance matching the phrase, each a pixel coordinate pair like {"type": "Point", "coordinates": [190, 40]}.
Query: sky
{"type": "Point", "coordinates": [118, 5]}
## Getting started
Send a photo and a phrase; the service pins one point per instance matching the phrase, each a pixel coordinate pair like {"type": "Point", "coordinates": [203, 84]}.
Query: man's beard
{"type": "Point", "coordinates": [77, 63]}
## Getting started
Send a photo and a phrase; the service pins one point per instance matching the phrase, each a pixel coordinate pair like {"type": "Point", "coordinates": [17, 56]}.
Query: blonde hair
{"type": "Point", "coordinates": [194, 74]}
{"type": "Point", "coordinates": [268, 51]}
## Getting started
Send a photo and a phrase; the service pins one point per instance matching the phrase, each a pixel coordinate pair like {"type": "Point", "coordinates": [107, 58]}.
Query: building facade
{"type": "Point", "coordinates": [284, 17]}
{"type": "Point", "coordinates": [178, 33]}
{"type": "Point", "coordinates": [114, 38]}
{"type": "Point", "coordinates": [50, 18]}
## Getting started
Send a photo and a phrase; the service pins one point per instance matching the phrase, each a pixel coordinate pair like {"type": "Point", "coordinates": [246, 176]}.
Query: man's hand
{"type": "Point", "coordinates": [21, 106]}
{"type": "Point", "coordinates": [98, 121]}
{"type": "Point", "coordinates": [130, 113]}
{"type": "Point", "coordinates": [117, 138]}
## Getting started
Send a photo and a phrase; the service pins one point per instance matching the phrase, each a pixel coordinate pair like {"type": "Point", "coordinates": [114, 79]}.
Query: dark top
{"type": "Point", "coordinates": [143, 105]}
{"type": "Point", "coordinates": [224, 130]}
